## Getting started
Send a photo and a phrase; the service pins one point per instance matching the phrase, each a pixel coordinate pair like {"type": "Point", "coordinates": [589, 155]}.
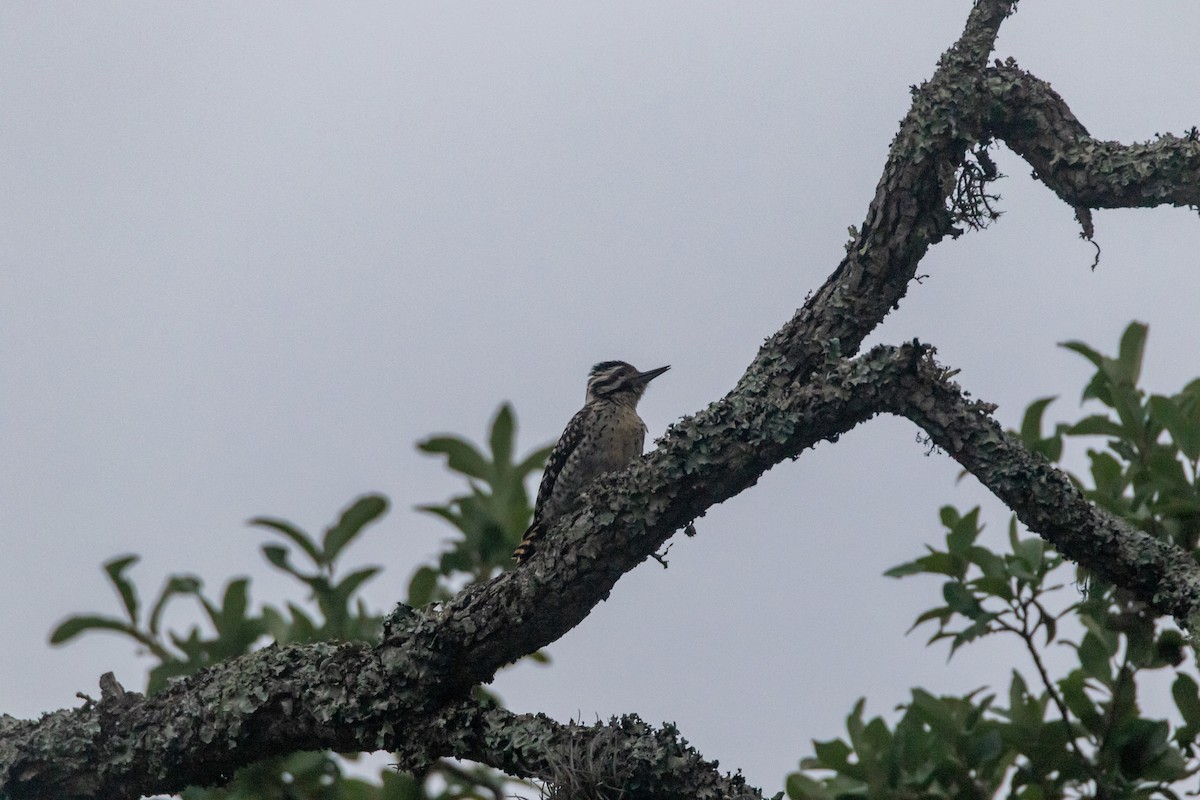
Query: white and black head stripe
{"type": "Point", "coordinates": [610, 376]}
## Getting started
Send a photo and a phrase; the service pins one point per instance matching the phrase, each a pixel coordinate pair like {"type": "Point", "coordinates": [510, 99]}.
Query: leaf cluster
{"type": "Point", "coordinates": [491, 518]}
{"type": "Point", "coordinates": [1077, 734]}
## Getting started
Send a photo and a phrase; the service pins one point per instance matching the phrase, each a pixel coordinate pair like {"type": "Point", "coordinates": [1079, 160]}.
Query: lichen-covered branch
{"type": "Point", "coordinates": [1037, 124]}
{"type": "Point", "coordinates": [1045, 499]}
{"type": "Point", "coordinates": [324, 696]}
{"type": "Point", "coordinates": [398, 696]}
{"type": "Point", "coordinates": [908, 215]}
{"type": "Point", "coordinates": [583, 760]}
{"type": "Point", "coordinates": [349, 697]}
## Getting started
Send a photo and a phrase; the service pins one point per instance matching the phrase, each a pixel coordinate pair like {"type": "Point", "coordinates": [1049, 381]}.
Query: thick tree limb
{"type": "Point", "coordinates": [348, 697]}
{"type": "Point", "coordinates": [405, 695]}
{"type": "Point", "coordinates": [906, 217]}
{"type": "Point", "coordinates": [164, 743]}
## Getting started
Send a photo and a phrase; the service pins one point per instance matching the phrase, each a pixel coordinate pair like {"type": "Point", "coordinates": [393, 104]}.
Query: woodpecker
{"type": "Point", "coordinates": [603, 436]}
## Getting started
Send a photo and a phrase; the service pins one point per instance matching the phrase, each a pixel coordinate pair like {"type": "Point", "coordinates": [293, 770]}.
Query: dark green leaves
{"type": "Point", "coordinates": [1083, 733]}
{"type": "Point", "coordinates": [353, 520]}
{"type": "Point", "coordinates": [942, 747]}
{"type": "Point", "coordinates": [493, 515]}
{"type": "Point", "coordinates": [490, 518]}
{"type": "Point", "coordinates": [115, 569]}
{"type": "Point", "coordinates": [986, 590]}
{"type": "Point", "coordinates": [116, 573]}
{"type": "Point", "coordinates": [71, 627]}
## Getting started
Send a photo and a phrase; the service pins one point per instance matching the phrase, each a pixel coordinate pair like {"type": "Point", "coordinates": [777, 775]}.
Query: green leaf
{"type": "Point", "coordinates": [1085, 351]}
{"type": "Point", "coordinates": [1107, 474]}
{"type": "Point", "coordinates": [990, 564]}
{"type": "Point", "coordinates": [1093, 657]}
{"type": "Point", "coordinates": [959, 598]}
{"type": "Point", "coordinates": [277, 555]}
{"type": "Point", "coordinates": [447, 513]}
{"type": "Point", "coordinates": [1133, 345]}
{"type": "Point", "coordinates": [461, 456]}
{"type": "Point", "coordinates": [1077, 700]}
{"type": "Point", "coordinates": [801, 787]}
{"type": "Point", "coordinates": [996, 587]}
{"type": "Point", "coordinates": [302, 539]}
{"type": "Point", "coordinates": [942, 614]}
{"type": "Point", "coordinates": [982, 626]}
{"type": "Point", "coordinates": [949, 516]}
{"type": "Point", "coordinates": [1187, 698]}
{"type": "Point", "coordinates": [1096, 425]}
{"type": "Point", "coordinates": [116, 574]}
{"type": "Point", "coordinates": [233, 604]}
{"type": "Point", "coordinates": [963, 533]}
{"type": "Point", "coordinates": [1184, 430]}
{"type": "Point", "coordinates": [937, 563]}
{"type": "Point", "coordinates": [360, 513]}
{"type": "Point", "coordinates": [420, 588]}
{"type": "Point", "coordinates": [936, 713]}
{"type": "Point", "coordinates": [301, 628]}
{"type": "Point", "coordinates": [161, 675]}
{"type": "Point", "coordinates": [71, 627]}
{"type": "Point", "coordinates": [833, 754]}
{"type": "Point", "coordinates": [350, 584]}
{"type": "Point", "coordinates": [1031, 423]}
{"type": "Point", "coordinates": [176, 585]}
{"type": "Point", "coordinates": [399, 786]}
{"type": "Point", "coordinates": [1025, 712]}
{"type": "Point", "coordinates": [1141, 744]}
{"type": "Point", "coordinates": [276, 625]}
{"type": "Point", "coordinates": [501, 438]}
{"type": "Point", "coordinates": [1031, 551]}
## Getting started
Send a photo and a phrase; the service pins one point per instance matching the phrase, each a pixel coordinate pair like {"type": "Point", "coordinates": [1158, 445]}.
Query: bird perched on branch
{"type": "Point", "coordinates": [603, 436]}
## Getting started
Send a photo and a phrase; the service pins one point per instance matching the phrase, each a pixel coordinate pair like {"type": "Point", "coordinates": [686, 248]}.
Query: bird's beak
{"type": "Point", "coordinates": [651, 374]}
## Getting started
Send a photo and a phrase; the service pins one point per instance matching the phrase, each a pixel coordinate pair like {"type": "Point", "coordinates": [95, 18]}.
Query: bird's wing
{"type": "Point", "coordinates": [567, 442]}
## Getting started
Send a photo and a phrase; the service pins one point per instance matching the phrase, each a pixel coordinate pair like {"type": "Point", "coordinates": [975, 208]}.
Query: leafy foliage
{"type": "Point", "coordinates": [491, 517]}
{"type": "Point", "coordinates": [1081, 734]}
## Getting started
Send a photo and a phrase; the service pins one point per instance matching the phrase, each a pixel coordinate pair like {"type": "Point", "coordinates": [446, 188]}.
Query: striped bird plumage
{"type": "Point", "coordinates": [603, 436]}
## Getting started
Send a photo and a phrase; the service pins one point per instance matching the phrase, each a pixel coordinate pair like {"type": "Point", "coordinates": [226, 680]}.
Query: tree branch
{"type": "Point", "coordinates": [349, 697]}
{"type": "Point", "coordinates": [907, 216]}
{"type": "Point", "coordinates": [1037, 124]}
{"type": "Point", "coordinates": [1046, 500]}
{"type": "Point", "coordinates": [629, 757]}
{"type": "Point", "coordinates": [184, 735]}
{"type": "Point", "coordinates": [396, 696]}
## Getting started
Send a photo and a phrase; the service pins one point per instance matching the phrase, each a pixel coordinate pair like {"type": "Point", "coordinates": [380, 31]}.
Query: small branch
{"type": "Point", "coordinates": [643, 761]}
{"type": "Point", "coordinates": [1045, 500]}
{"type": "Point", "coordinates": [1027, 637]}
{"type": "Point", "coordinates": [1087, 173]}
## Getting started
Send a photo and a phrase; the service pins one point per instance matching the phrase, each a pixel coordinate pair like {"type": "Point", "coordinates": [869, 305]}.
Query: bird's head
{"type": "Point", "coordinates": [619, 381]}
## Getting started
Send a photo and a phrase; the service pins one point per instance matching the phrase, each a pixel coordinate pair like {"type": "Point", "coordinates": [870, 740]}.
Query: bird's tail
{"type": "Point", "coordinates": [525, 548]}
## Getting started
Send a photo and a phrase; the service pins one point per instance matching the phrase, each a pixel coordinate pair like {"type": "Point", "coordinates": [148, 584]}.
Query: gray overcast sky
{"type": "Point", "coordinates": [252, 252]}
